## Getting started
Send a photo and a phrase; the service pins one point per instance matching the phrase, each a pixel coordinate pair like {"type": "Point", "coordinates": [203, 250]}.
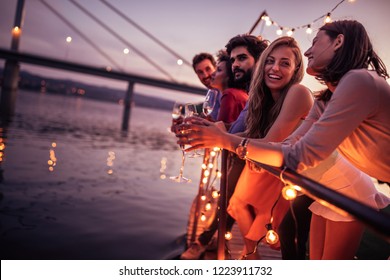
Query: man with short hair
{"type": "Point", "coordinates": [204, 65]}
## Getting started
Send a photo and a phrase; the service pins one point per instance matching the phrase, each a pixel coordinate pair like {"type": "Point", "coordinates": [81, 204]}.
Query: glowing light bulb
{"type": "Point", "coordinates": [126, 51]}
{"type": "Point", "coordinates": [179, 62]}
{"type": "Point", "coordinates": [327, 18]}
{"type": "Point", "coordinates": [203, 217]}
{"type": "Point", "coordinates": [289, 193]}
{"type": "Point", "coordinates": [265, 18]}
{"type": "Point", "coordinates": [207, 207]}
{"type": "Point", "coordinates": [228, 235]}
{"type": "Point", "coordinates": [219, 174]}
{"type": "Point", "coordinates": [213, 153]}
{"type": "Point", "coordinates": [16, 30]}
{"type": "Point", "coordinates": [204, 180]}
{"type": "Point", "coordinates": [309, 30]}
{"type": "Point", "coordinates": [68, 39]}
{"type": "Point", "coordinates": [203, 197]}
{"type": "Point", "coordinates": [279, 31]}
{"type": "Point", "coordinates": [204, 166]}
{"type": "Point", "coordinates": [206, 173]}
{"type": "Point", "coordinates": [290, 32]}
{"type": "Point", "coordinates": [272, 237]}
{"type": "Point", "coordinates": [211, 165]}
{"type": "Point", "coordinates": [214, 194]}
{"type": "Point", "coordinates": [268, 23]}
{"type": "Point", "coordinates": [216, 149]}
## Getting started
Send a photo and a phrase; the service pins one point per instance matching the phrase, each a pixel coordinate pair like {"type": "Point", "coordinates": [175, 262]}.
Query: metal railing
{"type": "Point", "coordinates": [378, 222]}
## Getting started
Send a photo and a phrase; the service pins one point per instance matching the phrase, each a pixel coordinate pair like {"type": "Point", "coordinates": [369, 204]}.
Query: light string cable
{"type": "Point", "coordinates": [269, 225]}
{"type": "Point", "coordinates": [215, 169]}
{"type": "Point", "coordinates": [290, 30]}
{"type": "Point", "coordinates": [82, 35]}
{"type": "Point", "coordinates": [292, 213]}
{"type": "Point", "coordinates": [148, 34]}
{"type": "Point", "coordinates": [116, 35]}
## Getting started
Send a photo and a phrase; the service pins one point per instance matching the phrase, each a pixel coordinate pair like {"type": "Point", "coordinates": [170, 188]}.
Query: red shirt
{"type": "Point", "coordinates": [233, 100]}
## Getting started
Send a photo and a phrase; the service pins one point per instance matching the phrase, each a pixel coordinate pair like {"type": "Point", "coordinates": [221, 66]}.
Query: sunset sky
{"type": "Point", "coordinates": [186, 27]}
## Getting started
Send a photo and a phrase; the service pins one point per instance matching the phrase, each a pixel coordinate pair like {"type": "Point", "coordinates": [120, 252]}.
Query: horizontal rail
{"type": "Point", "coordinates": [376, 220]}
{"type": "Point", "coordinates": [102, 72]}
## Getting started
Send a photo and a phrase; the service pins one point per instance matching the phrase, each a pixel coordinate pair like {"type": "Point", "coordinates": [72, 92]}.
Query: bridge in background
{"type": "Point", "coordinates": [16, 57]}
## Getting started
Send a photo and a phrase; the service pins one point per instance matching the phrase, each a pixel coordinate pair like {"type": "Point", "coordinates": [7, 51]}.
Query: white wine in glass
{"type": "Point", "coordinates": [178, 111]}
{"type": "Point", "coordinates": [190, 110]}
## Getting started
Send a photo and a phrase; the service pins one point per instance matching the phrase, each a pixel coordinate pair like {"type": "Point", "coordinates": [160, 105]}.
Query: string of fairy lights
{"type": "Point", "coordinates": [288, 30]}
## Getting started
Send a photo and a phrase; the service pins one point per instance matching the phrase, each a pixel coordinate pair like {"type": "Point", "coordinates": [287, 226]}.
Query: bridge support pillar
{"type": "Point", "coordinates": [11, 69]}
{"type": "Point", "coordinates": [9, 89]}
{"type": "Point", "coordinates": [127, 106]}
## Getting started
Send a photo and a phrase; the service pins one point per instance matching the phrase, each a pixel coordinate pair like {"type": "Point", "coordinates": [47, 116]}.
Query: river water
{"type": "Point", "coordinates": [74, 187]}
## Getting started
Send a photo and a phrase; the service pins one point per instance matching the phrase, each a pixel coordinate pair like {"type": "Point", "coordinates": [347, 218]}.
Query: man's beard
{"type": "Point", "coordinates": [244, 81]}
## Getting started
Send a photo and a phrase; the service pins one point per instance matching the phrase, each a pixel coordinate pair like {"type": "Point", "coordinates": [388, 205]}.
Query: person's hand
{"type": "Point", "coordinates": [175, 124]}
{"type": "Point", "coordinates": [200, 133]}
{"type": "Point", "coordinates": [207, 117]}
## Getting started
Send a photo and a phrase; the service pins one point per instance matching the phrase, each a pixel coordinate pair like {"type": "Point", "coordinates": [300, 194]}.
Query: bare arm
{"type": "Point", "coordinates": [296, 105]}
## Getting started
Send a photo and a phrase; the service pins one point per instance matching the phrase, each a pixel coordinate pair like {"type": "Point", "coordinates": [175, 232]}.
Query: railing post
{"type": "Point", "coordinates": [127, 106]}
{"type": "Point", "coordinates": [11, 69]}
{"type": "Point", "coordinates": [222, 205]}
{"type": "Point", "coordinates": [206, 159]}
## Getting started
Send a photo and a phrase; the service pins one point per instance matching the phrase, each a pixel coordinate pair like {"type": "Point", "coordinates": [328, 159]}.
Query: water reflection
{"type": "Point", "coordinates": [79, 211]}
{"type": "Point", "coordinates": [3, 136]}
{"type": "Point", "coordinates": [110, 162]}
{"type": "Point", "coordinates": [163, 167]}
{"type": "Point", "coordinates": [52, 158]}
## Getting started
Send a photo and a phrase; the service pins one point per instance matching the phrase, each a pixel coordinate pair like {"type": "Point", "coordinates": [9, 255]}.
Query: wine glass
{"type": "Point", "coordinates": [190, 110]}
{"type": "Point", "coordinates": [210, 101]}
{"type": "Point", "coordinates": [177, 110]}
{"type": "Point", "coordinates": [177, 113]}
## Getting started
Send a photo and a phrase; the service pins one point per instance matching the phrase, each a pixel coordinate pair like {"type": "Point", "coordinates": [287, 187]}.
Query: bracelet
{"type": "Point", "coordinates": [241, 149]}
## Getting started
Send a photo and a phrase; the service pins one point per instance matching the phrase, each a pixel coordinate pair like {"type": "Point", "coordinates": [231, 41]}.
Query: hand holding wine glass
{"type": "Point", "coordinates": [190, 110]}
{"type": "Point", "coordinates": [177, 115]}
{"type": "Point", "coordinates": [178, 112]}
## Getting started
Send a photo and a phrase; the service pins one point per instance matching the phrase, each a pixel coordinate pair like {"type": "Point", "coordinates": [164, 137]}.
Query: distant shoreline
{"type": "Point", "coordinates": [72, 88]}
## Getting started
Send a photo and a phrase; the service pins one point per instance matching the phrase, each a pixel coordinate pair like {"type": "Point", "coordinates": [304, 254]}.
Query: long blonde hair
{"type": "Point", "coordinates": [262, 109]}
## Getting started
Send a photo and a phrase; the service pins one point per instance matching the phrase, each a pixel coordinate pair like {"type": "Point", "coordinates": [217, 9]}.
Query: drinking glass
{"type": "Point", "coordinates": [210, 101]}
{"type": "Point", "coordinates": [177, 112]}
{"type": "Point", "coordinates": [190, 110]}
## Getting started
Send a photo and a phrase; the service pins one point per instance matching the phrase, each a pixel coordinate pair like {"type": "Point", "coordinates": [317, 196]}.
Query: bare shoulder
{"type": "Point", "coordinates": [299, 92]}
{"type": "Point", "coordinates": [300, 89]}
{"type": "Point", "coordinates": [300, 98]}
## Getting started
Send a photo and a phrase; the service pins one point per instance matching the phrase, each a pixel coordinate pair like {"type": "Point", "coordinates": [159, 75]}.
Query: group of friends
{"type": "Point", "coordinates": [339, 137]}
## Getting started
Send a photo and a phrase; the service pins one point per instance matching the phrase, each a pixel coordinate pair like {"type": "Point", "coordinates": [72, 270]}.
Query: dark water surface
{"type": "Point", "coordinates": [79, 210]}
